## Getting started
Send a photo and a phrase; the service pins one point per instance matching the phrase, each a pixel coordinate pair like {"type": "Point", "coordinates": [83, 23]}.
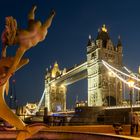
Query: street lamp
{"type": "Point", "coordinates": [131, 85]}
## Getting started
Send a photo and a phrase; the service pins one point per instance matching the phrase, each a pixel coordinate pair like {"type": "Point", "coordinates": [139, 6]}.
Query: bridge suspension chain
{"type": "Point", "coordinates": [117, 73]}
{"type": "Point", "coordinates": [39, 104]}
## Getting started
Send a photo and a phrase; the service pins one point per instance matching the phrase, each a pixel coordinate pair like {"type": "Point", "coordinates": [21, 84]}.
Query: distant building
{"type": "Point", "coordinates": [81, 104]}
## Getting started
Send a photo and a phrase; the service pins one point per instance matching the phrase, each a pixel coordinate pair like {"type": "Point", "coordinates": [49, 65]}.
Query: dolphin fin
{"type": "Point", "coordinates": [7, 87]}
{"type": "Point", "coordinates": [30, 130]}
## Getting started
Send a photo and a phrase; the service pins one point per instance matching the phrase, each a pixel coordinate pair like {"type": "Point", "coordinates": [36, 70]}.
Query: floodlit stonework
{"type": "Point", "coordinates": [103, 87]}
{"type": "Point", "coordinates": [55, 94]}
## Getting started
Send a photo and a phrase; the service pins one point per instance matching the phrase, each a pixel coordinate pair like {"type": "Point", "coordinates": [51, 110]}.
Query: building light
{"type": "Point", "coordinates": [53, 75]}
{"type": "Point", "coordinates": [104, 28]}
{"type": "Point", "coordinates": [131, 83]}
{"type": "Point", "coordinates": [53, 85]}
{"type": "Point", "coordinates": [111, 74]}
{"type": "Point", "coordinates": [62, 86]}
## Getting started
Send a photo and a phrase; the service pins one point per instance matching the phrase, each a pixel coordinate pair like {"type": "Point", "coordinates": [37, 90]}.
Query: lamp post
{"type": "Point", "coordinates": [131, 85]}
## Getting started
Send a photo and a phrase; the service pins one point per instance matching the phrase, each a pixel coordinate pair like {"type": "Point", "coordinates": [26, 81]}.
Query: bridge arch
{"type": "Point", "coordinates": [111, 100]}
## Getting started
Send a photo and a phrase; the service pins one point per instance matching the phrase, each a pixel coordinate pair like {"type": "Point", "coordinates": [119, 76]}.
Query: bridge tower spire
{"type": "Point", "coordinates": [119, 50]}
{"type": "Point", "coordinates": [55, 93]}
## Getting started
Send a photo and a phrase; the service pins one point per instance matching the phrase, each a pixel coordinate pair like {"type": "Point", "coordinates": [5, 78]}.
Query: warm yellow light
{"type": "Point", "coordinates": [53, 85]}
{"type": "Point", "coordinates": [53, 75]}
{"type": "Point", "coordinates": [31, 106]}
{"type": "Point", "coordinates": [55, 70]}
{"type": "Point", "coordinates": [62, 86]}
{"type": "Point", "coordinates": [104, 28]}
{"type": "Point", "coordinates": [111, 74]}
{"type": "Point", "coordinates": [131, 83]}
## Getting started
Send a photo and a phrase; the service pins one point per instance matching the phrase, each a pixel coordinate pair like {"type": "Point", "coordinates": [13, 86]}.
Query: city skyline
{"type": "Point", "coordinates": [67, 38]}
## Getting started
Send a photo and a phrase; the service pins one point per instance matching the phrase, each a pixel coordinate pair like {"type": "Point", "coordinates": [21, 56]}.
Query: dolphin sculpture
{"type": "Point", "coordinates": [25, 39]}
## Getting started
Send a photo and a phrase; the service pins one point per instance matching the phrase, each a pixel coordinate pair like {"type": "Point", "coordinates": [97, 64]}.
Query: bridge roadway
{"type": "Point", "coordinates": [106, 108]}
{"type": "Point", "coordinates": [71, 76]}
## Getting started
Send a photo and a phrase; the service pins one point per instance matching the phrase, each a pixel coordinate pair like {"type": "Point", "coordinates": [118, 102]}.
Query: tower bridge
{"type": "Point", "coordinates": [104, 71]}
{"type": "Point", "coordinates": [103, 88]}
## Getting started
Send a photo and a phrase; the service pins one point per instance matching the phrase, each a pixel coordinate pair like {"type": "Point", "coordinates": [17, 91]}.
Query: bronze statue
{"type": "Point", "coordinates": [25, 39]}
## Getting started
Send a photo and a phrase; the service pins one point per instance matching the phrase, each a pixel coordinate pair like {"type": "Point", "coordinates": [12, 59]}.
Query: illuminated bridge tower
{"type": "Point", "coordinates": [103, 87]}
{"type": "Point", "coordinates": [55, 94]}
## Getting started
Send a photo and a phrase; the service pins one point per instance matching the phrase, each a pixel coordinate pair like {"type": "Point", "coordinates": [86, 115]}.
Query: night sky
{"type": "Point", "coordinates": [67, 38]}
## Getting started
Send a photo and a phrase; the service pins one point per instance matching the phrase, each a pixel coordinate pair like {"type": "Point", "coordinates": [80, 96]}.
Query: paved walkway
{"type": "Point", "coordinates": [108, 129]}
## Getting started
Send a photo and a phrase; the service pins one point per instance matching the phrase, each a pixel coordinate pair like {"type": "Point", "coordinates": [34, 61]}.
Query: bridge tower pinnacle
{"type": "Point", "coordinates": [55, 94]}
